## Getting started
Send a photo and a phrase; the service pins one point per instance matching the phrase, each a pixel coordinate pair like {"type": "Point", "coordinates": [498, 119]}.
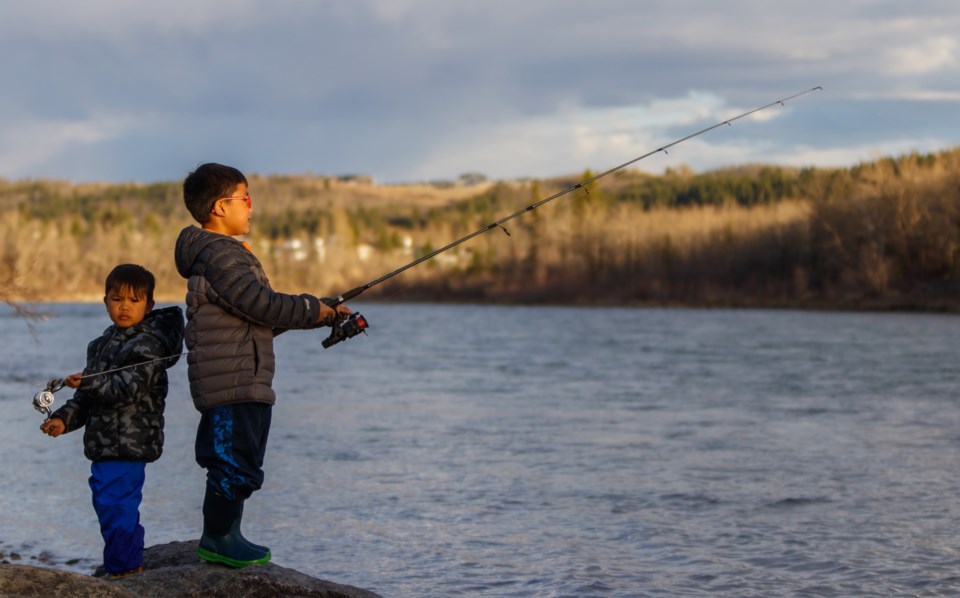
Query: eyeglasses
{"type": "Point", "coordinates": [248, 198]}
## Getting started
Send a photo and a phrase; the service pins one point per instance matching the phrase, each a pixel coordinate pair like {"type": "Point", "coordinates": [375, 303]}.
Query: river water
{"type": "Point", "coordinates": [515, 451]}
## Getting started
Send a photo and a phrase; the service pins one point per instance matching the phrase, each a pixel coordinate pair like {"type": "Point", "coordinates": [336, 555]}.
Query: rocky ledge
{"type": "Point", "coordinates": [173, 570]}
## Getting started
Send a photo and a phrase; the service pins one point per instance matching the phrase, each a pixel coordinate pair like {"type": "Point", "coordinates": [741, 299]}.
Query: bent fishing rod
{"type": "Point", "coordinates": [352, 293]}
{"type": "Point", "coordinates": [345, 327]}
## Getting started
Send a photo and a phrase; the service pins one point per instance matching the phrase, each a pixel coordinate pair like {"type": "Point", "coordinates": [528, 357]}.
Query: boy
{"type": "Point", "coordinates": [119, 401]}
{"type": "Point", "coordinates": [232, 317]}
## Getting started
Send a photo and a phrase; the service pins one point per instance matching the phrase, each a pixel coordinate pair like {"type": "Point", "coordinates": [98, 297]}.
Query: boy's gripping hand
{"type": "Point", "coordinates": [73, 380]}
{"type": "Point", "coordinates": [330, 315]}
{"type": "Point", "coordinates": [53, 427]}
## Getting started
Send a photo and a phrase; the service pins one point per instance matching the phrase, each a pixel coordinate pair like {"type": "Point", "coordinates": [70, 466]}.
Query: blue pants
{"type": "Point", "coordinates": [117, 491]}
{"type": "Point", "coordinates": [231, 444]}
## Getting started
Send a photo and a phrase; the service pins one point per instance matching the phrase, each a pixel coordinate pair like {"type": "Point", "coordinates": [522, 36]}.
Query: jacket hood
{"type": "Point", "coordinates": [191, 242]}
{"type": "Point", "coordinates": [166, 326]}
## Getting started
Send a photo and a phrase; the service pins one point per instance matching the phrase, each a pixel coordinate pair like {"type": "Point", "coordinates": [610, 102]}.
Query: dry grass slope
{"type": "Point", "coordinates": [883, 235]}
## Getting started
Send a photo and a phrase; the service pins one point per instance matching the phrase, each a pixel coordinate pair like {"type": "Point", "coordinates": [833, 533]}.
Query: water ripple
{"type": "Point", "coordinates": [488, 451]}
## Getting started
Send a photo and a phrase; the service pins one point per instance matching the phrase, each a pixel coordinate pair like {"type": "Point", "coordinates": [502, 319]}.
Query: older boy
{"type": "Point", "coordinates": [120, 400]}
{"type": "Point", "coordinates": [232, 317]}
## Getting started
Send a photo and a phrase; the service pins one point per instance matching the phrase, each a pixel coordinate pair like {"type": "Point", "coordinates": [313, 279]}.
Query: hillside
{"type": "Point", "coordinates": [884, 234]}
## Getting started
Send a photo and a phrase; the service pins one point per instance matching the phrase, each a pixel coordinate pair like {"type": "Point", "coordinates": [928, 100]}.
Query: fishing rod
{"type": "Point", "coordinates": [43, 400]}
{"type": "Point", "coordinates": [352, 293]}
{"type": "Point", "coordinates": [352, 325]}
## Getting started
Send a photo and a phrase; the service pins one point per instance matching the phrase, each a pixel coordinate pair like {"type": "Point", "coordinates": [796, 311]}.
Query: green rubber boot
{"type": "Point", "coordinates": [249, 543]}
{"type": "Point", "coordinates": [221, 541]}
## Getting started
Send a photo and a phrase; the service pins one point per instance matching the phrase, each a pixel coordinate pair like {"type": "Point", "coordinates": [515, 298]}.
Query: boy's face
{"type": "Point", "coordinates": [234, 212]}
{"type": "Point", "coordinates": [125, 307]}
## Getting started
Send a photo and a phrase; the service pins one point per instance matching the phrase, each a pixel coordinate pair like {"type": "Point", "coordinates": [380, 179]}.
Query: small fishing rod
{"type": "Point", "coordinates": [352, 293]}
{"type": "Point", "coordinates": [43, 400]}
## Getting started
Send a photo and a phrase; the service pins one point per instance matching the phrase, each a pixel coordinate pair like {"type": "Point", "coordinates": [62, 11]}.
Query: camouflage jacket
{"type": "Point", "coordinates": [232, 317]}
{"type": "Point", "coordinates": [122, 411]}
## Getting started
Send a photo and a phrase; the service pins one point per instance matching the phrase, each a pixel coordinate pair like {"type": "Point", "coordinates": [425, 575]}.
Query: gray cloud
{"type": "Point", "coordinates": [415, 89]}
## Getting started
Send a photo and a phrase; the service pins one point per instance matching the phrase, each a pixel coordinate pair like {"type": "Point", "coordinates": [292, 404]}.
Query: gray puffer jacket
{"type": "Point", "coordinates": [232, 317]}
{"type": "Point", "coordinates": [122, 411]}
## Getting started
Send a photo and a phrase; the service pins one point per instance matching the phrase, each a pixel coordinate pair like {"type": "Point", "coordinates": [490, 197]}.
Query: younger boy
{"type": "Point", "coordinates": [232, 317]}
{"type": "Point", "coordinates": [119, 401]}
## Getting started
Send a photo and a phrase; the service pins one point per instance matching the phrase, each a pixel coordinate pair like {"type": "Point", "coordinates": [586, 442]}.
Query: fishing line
{"type": "Point", "coordinates": [44, 399]}
{"type": "Point", "coordinates": [352, 293]}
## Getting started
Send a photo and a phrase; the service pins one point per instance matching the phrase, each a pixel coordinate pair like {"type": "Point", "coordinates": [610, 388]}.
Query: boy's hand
{"type": "Point", "coordinates": [73, 380]}
{"type": "Point", "coordinates": [53, 427]}
{"type": "Point", "coordinates": [329, 315]}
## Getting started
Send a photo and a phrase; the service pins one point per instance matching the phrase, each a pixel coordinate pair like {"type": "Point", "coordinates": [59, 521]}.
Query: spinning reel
{"type": "Point", "coordinates": [350, 327]}
{"type": "Point", "coordinates": [44, 399]}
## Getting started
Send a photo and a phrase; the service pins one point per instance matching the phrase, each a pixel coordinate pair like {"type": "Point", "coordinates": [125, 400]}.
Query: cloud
{"type": "Point", "coordinates": [48, 20]}
{"type": "Point", "coordinates": [430, 88]}
{"type": "Point", "coordinates": [849, 155]}
{"type": "Point", "coordinates": [30, 144]}
{"type": "Point", "coordinates": [927, 56]}
{"type": "Point", "coordinates": [577, 137]}
{"type": "Point", "coordinates": [917, 96]}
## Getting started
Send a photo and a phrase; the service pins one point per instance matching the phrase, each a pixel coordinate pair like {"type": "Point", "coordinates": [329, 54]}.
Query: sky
{"type": "Point", "coordinates": [422, 90]}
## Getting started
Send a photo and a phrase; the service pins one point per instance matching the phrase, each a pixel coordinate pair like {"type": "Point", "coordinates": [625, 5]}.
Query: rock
{"type": "Point", "coordinates": [27, 580]}
{"type": "Point", "coordinates": [174, 570]}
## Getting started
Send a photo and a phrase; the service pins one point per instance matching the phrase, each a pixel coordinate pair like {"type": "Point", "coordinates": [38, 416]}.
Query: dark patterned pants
{"type": "Point", "coordinates": [231, 443]}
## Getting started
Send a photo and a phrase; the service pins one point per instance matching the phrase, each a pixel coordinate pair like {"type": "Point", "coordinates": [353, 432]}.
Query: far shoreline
{"type": "Point", "coordinates": [879, 305]}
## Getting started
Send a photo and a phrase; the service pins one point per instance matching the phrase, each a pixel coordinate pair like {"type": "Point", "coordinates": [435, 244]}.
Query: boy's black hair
{"type": "Point", "coordinates": [137, 278]}
{"type": "Point", "coordinates": [205, 185]}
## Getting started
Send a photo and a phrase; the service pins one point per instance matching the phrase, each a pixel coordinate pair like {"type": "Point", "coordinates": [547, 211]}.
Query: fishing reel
{"type": "Point", "coordinates": [346, 328]}
{"type": "Point", "coordinates": [44, 399]}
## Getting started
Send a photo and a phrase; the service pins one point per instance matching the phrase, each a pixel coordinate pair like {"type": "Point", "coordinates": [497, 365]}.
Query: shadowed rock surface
{"type": "Point", "coordinates": [174, 570]}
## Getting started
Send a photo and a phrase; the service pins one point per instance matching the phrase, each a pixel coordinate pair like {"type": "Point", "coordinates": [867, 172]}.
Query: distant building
{"type": "Point", "coordinates": [469, 179]}
{"type": "Point", "coordinates": [320, 246]}
{"type": "Point", "coordinates": [294, 247]}
{"type": "Point", "coordinates": [365, 251]}
{"type": "Point", "coordinates": [360, 180]}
